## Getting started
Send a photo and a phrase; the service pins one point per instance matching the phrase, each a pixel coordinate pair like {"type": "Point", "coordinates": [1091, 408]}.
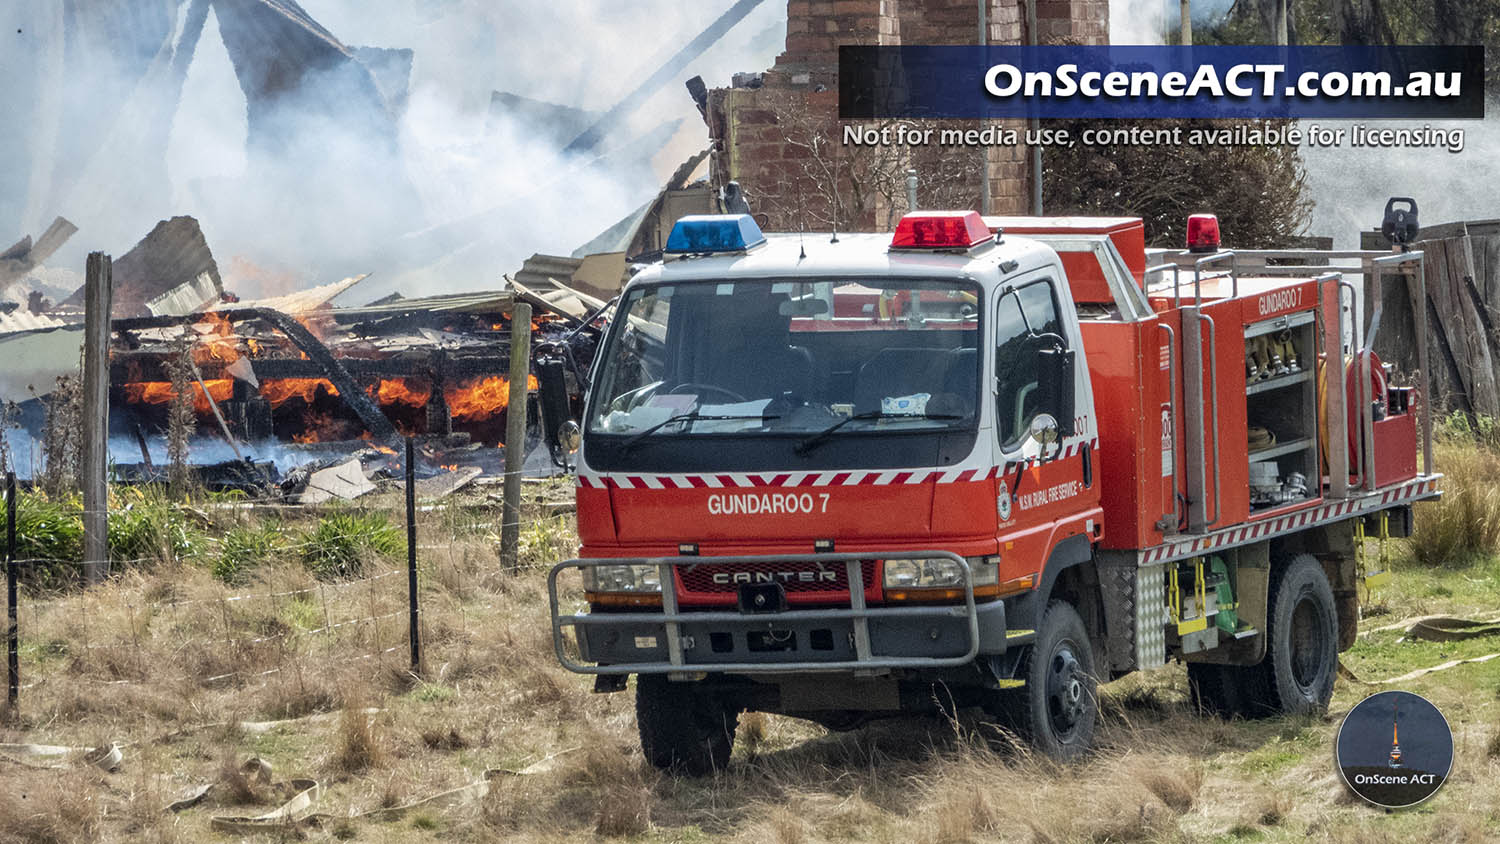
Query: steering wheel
{"type": "Point", "coordinates": [695, 386]}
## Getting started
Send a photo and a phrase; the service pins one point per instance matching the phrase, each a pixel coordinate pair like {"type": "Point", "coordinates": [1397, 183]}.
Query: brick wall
{"type": "Point", "coordinates": [1072, 21]}
{"type": "Point", "coordinates": [783, 142]}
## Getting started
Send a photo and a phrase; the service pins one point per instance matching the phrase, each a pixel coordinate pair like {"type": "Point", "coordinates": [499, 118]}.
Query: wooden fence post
{"type": "Point", "coordinates": [98, 287]}
{"type": "Point", "coordinates": [515, 433]}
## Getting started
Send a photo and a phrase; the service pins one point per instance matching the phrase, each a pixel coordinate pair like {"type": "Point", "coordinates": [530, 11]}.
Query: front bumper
{"type": "Point", "coordinates": [856, 636]}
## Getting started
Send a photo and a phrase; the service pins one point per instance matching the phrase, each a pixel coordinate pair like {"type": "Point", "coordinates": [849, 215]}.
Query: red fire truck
{"type": "Point", "coordinates": [982, 462]}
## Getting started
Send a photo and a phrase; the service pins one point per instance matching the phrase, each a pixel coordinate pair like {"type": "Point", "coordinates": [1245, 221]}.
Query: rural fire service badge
{"type": "Point", "coordinates": [1002, 501]}
{"type": "Point", "coordinates": [1394, 749]}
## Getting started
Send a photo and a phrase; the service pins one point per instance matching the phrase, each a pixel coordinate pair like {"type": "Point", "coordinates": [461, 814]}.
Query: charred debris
{"type": "Point", "coordinates": [289, 391]}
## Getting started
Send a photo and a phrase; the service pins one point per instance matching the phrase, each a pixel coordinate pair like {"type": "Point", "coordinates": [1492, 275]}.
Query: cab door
{"type": "Point", "coordinates": [1046, 488]}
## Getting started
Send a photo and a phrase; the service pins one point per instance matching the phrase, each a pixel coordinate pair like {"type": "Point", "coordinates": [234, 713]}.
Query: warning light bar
{"type": "Point", "coordinates": [1202, 233]}
{"type": "Point", "coordinates": [941, 230]}
{"type": "Point", "coordinates": [705, 233]}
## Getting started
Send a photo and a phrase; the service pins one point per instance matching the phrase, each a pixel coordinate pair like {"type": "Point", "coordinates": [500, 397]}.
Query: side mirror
{"type": "Point", "coordinates": [1044, 432]}
{"type": "Point", "coordinates": [569, 436]}
{"type": "Point", "coordinates": [1055, 385]}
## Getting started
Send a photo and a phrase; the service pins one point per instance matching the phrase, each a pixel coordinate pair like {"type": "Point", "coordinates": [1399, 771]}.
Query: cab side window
{"type": "Point", "coordinates": [1019, 318]}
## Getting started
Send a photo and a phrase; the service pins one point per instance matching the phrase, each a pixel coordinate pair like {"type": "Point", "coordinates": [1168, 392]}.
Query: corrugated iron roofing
{"type": "Point", "coordinates": [22, 319]}
{"type": "Point", "coordinates": [301, 301]}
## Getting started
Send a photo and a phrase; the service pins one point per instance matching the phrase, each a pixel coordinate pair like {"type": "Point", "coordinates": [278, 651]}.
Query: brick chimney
{"type": "Point", "coordinates": [779, 135]}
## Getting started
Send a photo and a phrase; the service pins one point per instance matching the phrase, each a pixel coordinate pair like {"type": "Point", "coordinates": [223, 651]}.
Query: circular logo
{"type": "Point", "coordinates": [1002, 502]}
{"type": "Point", "coordinates": [1394, 749]}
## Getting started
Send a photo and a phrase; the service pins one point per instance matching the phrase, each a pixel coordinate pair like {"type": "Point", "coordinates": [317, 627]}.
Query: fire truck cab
{"type": "Point", "coordinates": [827, 476]}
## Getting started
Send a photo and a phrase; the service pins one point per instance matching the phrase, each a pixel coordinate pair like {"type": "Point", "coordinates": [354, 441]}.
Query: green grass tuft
{"type": "Point", "coordinates": [245, 549]}
{"type": "Point", "coordinates": [147, 529]}
{"type": "Point", "coordinates": [341, 543]}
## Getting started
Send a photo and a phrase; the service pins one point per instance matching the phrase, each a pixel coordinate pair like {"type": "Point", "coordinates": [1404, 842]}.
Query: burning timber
{"type": "Point", "coordinates": [331, 382]}
{"type": "Point", "coordinates": [279, 395]}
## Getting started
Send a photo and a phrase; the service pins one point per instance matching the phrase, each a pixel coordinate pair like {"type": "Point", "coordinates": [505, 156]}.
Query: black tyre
{"type": "Point", "coordinates": [1302, 655]}
{"type": "Point", "coordinates": [1058, 710]}
{"type": "Point", "coordinates": [1296, 676]}
{"type": "Point", "coordinates": [683, 729]}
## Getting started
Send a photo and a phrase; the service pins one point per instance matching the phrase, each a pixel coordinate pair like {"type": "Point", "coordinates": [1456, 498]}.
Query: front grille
{"type": "Point", "coordinates": [797, 578]}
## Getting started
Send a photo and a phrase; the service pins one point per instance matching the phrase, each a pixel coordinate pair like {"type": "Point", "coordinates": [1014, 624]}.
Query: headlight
{"type": "Point", "coordinates": [622, 578]}
{"type": "Point", "coordinates": [940, 574]}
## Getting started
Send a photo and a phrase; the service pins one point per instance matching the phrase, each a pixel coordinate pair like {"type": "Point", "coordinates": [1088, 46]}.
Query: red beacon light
{"type": "Point", "coordinates": [1202, 233]}
{"type": "Point", "coordinates": [941, 230]}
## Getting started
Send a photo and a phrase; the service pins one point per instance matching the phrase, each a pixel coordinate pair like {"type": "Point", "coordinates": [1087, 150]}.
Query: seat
{"type": "Point", "coordinates": [899, 372]}
{"type": "Point", "coordinates": [960, 384]}
{"type": "Point", "coordinates": [754, 356]}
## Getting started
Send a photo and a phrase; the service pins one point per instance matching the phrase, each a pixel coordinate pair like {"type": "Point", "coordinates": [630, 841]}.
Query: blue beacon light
{"type": "Point", "coordinates": [705, 233]}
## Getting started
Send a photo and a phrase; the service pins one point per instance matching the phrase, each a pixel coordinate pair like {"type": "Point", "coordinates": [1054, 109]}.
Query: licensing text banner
{"type": "Point", "coordinates": [912, 82]}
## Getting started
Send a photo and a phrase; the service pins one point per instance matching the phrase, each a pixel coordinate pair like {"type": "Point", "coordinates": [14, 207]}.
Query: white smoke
{"type": "Point", "coordinates": [481, 197]}
{"type": "Point", "coordinates": [1351, 184]}
{"type": "Point", "coordinates": [1148, 21]}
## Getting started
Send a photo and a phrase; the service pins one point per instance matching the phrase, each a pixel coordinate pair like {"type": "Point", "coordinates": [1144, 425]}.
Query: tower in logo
{"type": "Point", "coordinates": [1395, 760]}
{"type": "Point", "coordinates": [1371, 760]}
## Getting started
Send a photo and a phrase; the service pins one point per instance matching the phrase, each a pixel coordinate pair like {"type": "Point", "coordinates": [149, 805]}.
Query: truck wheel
{"type": "Point", "coordinates": [1058, 709]}
{"type": "Point", "coordinates": [1296, 676]}
{"type": "Point", "coordinates": [1302, 656]}
{"type": "Point", "coordinates": [682, 728]}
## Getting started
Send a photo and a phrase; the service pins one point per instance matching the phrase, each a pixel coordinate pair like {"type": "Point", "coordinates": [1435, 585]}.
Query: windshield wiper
{"type": "Point", "coordinates": [824, 435]}
{"type": "Point", "coordinates": [687, 417]}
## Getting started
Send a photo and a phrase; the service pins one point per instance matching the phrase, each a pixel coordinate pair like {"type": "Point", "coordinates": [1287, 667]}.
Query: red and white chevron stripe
{"type": "Point", "coordinates": [721, 480]}
{"type": "Point", "coordinates": [785, 479]}
{"type": "Point", "coordinates": [1291, 522]}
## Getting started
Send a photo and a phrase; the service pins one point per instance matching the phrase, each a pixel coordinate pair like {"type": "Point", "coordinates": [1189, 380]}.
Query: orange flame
{"type": "Point", "coordinates": [161, 392]}
{"type": "Point", "coordinates": [219, 344]}
{"type": "Point", "coordinates": [281, 390]}
{"type": "Point", "coordinates": [401, 391]}
{"type": "Point", "coordinates": [479, 398]}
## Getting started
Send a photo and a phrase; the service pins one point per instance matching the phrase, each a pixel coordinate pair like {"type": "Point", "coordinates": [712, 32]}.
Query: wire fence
{"type": "Point", "coordinates": [124, 634]}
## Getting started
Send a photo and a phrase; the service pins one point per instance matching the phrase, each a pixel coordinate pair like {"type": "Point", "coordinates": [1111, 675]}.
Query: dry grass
{"type": "Point", "coordinates": [360, 743]}
{"type": "Point", "coordinates": [1175, 787]}
{"type": "Point", "coordinates": [492, 697]}
{"type": "Point", "coordinates": [45, 806]}
{"type": "Point", "coordinates": [1466, 521]}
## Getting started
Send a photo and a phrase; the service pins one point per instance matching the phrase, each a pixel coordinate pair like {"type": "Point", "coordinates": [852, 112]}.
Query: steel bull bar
{"type": "Point", "coordinates": [873, 632]}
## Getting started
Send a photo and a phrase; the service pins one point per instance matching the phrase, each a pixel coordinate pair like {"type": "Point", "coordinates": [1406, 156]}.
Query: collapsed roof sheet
{"type": "Point", "coordinates": [174, 253]}
{"type": "Point", "coordinates": [301, 301]}
{"type": "Point", "coordinates": [35, 359]}
{"type": "Point", "coordinates": [189, 297]}
{"type": "Point", "coordinates": [484, 302]}
{"type": "Point", "coordinates": [22, 319]}
{"type": "Point", "coordinates": [24, 255]}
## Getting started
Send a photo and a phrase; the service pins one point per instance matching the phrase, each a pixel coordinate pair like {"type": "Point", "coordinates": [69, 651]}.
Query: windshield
{"type": "Point", "coordinates": [773, 356]}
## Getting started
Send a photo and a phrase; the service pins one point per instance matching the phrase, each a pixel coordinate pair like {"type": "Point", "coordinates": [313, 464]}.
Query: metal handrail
{"type": "Point", "coordinates": [1213, 380]}
{"type": "Point", "coordinates": [1172, 518]}
{"type": "Point", "coordinates": [1419, 319]}
{"type": "Point", "coordinates": [671, 617]}
{"type": "Point", "coordinates": [1176, 280]}
{"type": "Point", "coordinates": [1198, 266]}
{"type": "Point", "coordinates": [1338, 483]}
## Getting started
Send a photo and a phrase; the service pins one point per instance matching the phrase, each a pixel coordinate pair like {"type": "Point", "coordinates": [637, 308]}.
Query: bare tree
{"type": "Point", "coordinates": [1258, 191]}
{"type": "Point", "coordinates": [822, 183]}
